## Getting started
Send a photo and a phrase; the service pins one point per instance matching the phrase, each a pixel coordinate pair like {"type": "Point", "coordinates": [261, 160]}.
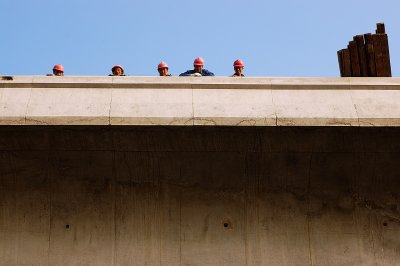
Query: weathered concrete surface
{"type": "Point", "coordinates": [211, 101]}
{"type": "Point", "coordinates": [108, 195]}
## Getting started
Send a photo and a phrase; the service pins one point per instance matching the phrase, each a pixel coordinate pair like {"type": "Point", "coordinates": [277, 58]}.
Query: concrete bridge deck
{"type": "Point", "coordinates": [150, 171]}
{"type": "Point", "coordinates": [200, 101]}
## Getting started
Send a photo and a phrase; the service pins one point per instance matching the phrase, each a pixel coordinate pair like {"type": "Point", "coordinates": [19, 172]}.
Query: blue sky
{"type": "Point", "coordinates": [286, 38]}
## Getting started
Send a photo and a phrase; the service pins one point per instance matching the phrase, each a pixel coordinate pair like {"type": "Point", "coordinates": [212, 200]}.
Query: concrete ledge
{"type": "Point", "coordinates": [200, 101]}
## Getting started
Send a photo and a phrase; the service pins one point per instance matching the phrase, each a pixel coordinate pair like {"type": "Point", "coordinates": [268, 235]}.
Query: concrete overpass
{"type": "Point", "coordinates": [199, 171]}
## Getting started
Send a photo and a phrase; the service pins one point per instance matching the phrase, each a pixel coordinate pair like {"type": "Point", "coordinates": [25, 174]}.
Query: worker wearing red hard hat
{"type": "Point", "coordinates": [198, 69]}
{"type": "Point", "coordinates": [238, 66]}
{"type": "Point", "coordinates": [117, 70]}
{"type": "Point", "coordinates": [58, 70]}
{"type": "Point", "coordinates": [163, 69]}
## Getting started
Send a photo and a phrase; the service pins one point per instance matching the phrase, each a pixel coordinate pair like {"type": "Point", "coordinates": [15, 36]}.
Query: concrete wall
{"type": "Point", "coordinates": [171, 171]}
{"type": "Point", "coordinates": [200, 101]}
{"type": "Point", "coordinates": [134, 195]}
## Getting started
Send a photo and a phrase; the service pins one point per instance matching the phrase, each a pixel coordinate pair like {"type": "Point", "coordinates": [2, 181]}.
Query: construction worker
{"type": "Point", "coordinates": [58, 70]}
{"type": "Point", "coordinates": [198, 70]}
{"type": "Point", "coordinates": [238, 66]}
{"type": "Point", "coordinates": [163, 69]}
{"type": "Point", "coordinates": [117, 70]}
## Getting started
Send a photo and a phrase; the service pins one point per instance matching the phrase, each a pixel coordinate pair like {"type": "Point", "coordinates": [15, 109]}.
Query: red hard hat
{"type": "Point", "coordinates": [198, 61]}
{"type": "Point", "coordinates": [58, 67]}
{"type": "Point", "coordinates": [238, 63]}
{"type": "Point", "coordinates": [162, 65]}
{"type": "Point", "coordinates": [117, 66]}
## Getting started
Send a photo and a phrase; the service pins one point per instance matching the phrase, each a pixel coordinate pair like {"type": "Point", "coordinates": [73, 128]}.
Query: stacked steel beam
{"type": "Point", "coordinates": [366, 55]}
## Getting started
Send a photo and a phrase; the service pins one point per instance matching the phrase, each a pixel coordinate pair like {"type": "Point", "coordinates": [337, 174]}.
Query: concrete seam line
{"type": "Point", "coordinates": [109, 111]}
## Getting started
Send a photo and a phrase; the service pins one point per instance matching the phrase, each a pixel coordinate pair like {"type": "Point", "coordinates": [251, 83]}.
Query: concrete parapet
{"type": "Point", "coordinates": [200, 101]}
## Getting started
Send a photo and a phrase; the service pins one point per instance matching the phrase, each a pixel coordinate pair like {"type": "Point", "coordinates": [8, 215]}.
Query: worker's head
{"type": "Point", "coordinates": [117, 70]}
{"type": "Point", "coordinates": [162, 69]}
{"type": "Point", "coordinates": [238, 66]}
{"type": "Point", "coordinates": [198, 65]}
{"type": "Point", "coordinates": [58, 70]}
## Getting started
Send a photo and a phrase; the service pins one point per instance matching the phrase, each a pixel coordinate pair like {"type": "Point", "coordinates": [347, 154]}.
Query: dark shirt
{"type": "Point", "coordinates": [236, 75]}
{"type": "Point", "coordinates": [204, 72]}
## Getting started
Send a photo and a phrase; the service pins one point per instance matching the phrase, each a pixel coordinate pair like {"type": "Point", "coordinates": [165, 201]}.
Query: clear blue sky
{"type": "Point", "coordinates": [275, 38]}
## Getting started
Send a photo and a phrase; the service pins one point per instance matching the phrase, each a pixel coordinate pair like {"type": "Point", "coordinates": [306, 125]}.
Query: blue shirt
{"type": "Point", "coordinates": [204, 72]}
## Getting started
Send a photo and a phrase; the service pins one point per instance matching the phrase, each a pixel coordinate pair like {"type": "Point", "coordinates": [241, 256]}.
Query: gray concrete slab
{"type": "Point", "coordinates": [208, 101]}
{"type": "Point", "coordinates": [126, 195]}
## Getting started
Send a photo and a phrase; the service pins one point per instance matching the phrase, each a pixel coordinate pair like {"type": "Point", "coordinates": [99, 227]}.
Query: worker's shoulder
{"type": "Point", "coordinates": [207, 72]}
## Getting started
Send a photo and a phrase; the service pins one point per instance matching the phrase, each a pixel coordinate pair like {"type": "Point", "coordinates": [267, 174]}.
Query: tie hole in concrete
{"type": "Point", "coordinates": [227, 224]}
